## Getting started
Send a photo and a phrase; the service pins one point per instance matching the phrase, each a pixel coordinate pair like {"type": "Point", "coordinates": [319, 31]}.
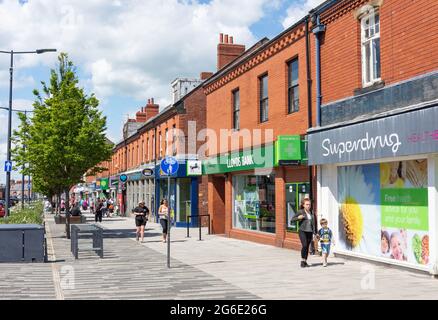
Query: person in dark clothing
{"type": "Point", "coordinates": [76, 211]}
{"type": "Point", "coordinates": [98, 212]}
{"type": "Point", "coordinates": [141, 218]}
{"type": "Point", "coordinates": [307, 229]}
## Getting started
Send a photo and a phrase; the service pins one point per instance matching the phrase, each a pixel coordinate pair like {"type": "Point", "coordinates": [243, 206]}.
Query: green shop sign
{"type": "Point", "coordinates": [104, 184]}
{"type": "Point", "coordinates": [290, 150]}
{"type": "Point", "coordinates": [261, 157]}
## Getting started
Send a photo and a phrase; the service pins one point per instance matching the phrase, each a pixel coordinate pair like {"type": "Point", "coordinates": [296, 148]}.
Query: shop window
{"type": "Point", "coordinates": [254, 203]}
{"type": "Point", "coordinates": [384, 211]}
{"type": "Point", "coordinates": [370, 41]}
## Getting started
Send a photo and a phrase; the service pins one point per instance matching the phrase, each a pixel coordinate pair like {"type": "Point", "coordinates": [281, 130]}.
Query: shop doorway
{"type": "Point", "coordinates": [218, 214]}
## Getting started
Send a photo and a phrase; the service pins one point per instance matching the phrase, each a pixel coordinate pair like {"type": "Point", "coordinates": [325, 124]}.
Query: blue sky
{"type": "Point", "coordinates": [127, 51]}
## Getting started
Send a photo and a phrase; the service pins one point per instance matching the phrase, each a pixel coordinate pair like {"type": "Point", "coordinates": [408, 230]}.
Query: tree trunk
{"type": "Point", "coordinates": [67, 213]}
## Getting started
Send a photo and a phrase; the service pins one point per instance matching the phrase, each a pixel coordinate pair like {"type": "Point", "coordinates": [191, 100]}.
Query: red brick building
{"type": "Point", "coordinates": [376, 143]}
{"type": "Point", "coordinates": [260, 94]}
{"type": "Point", "coordinates": [150, 137]}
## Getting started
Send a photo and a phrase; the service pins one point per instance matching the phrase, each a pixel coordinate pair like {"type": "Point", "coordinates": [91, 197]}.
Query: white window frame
{"type": "Point", "coordinates": [364, 41]}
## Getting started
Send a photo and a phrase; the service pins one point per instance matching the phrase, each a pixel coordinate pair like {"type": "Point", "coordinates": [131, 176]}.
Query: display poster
{"type": "Point", "coordinates": [252, 202]}
{"type": "Point", "coordinates": [383, 210]}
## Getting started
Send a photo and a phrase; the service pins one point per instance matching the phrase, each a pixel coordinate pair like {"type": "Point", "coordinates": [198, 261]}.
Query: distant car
{"type": "Point", "coordinates": [13, 201]}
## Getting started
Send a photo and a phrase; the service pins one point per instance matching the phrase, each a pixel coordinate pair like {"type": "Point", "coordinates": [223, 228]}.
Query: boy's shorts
{"type": "Point", "coordinates": [325, 248]}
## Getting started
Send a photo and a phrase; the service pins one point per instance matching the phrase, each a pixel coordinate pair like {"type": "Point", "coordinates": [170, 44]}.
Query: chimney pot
{"type": "Point", "coordinates": [152, 100]}
{"type": "Point", "coordinates": [226, 38]}
{"type": "Point", "coordinates": [231, 40]}
{"type": "Point", "coordinates": [149, 101]}
{"type": "Point", "coordinates": [221, 38]}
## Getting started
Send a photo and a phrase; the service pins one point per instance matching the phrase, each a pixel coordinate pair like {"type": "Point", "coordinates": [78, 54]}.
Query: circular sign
{"type": "Point", "coordinates": [148, 172]}
{"type": "Point", "coordinates": [169, 165]}
{"type": "Point", "coordinates": [123, 178]}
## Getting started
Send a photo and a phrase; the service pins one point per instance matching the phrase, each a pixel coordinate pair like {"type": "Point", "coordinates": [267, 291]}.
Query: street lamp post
{"type": "Point", "coordinates": [8, 155]}
{"type": "Point", "coordinates": [22, 172]}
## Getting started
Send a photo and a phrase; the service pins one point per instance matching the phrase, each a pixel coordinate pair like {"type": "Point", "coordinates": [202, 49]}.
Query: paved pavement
{"type": "Point", "coordinates": [214, 268]}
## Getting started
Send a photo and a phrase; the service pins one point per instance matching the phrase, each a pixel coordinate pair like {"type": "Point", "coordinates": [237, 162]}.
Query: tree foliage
{"type": "Point", "coordinates": [65, 137]}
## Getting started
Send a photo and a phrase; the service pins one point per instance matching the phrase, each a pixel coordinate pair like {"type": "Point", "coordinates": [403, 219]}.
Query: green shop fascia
{"type": "Point", "coordinates": [287, 150]}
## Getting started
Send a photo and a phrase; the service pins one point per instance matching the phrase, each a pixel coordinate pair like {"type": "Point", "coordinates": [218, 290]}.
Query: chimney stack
{"type": "Point", "coordinates": [227, 51]}
{"type": "Point", "coordinates": [205, 75]}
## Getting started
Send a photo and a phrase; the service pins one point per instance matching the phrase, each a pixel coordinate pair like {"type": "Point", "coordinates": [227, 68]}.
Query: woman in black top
{"type": "Point", "coordinates": [307, 229]}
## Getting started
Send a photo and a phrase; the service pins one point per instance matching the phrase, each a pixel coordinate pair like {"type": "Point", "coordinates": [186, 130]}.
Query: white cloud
{"type": "Point", "coordinates": [20, 80]}
{"type": "Point", "coordinates": [299, 10]}
{"type": "Point", "coordinates": [131, 47]}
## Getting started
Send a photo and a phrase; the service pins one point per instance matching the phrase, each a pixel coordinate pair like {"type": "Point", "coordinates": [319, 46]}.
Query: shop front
{"type": "Point", "coordinates": [248, 191]}
{"type": "Point", "coordinates": [377, 185]}
{"type": "Point", "coordinates": [140, 186]}
{"type": "Point", "coordinates": [184, 192]}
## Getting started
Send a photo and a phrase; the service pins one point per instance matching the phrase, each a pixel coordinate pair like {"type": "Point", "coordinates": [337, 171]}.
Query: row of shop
{"type": "Point", "coordinates": [149, 184]}
{"type": "Point", "coordinates": [376, 184]}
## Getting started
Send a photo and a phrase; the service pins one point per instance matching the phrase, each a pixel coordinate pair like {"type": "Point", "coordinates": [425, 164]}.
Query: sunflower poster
{"type": "Point", "coordinates": [383, 210]}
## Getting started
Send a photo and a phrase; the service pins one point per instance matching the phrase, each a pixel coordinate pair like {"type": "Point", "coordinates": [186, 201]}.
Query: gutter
{"type": "Point", "coordinates": [309, 98]}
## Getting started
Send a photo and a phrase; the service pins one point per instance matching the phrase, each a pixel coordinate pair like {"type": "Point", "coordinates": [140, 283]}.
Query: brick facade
{"type": "Point", "coordinates": [409, 44]}
{"type": "Point", "coordinates": [269, 58]}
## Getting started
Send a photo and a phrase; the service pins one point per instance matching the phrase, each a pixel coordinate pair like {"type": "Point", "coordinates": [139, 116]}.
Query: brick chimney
{"type": "Point", "coordinates": [205, 75]}
{"type": "Point", "coordinates": [147, 112]}
{"type": "Point", "coordinates": [227, 51]}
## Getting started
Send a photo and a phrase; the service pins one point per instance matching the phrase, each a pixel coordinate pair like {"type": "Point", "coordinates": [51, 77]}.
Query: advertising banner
{"type": "Point", "coordinates": [383, 210]}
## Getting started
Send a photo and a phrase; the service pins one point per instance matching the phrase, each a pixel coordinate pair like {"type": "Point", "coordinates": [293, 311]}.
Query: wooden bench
{"type": "Point", "coordinates": [60, 219]}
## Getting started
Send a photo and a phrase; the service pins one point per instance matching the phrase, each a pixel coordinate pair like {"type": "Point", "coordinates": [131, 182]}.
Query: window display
{"type": "Point", "coordinates": [383, 210]}
{"type": "Point", "coordinates": [254, 203]}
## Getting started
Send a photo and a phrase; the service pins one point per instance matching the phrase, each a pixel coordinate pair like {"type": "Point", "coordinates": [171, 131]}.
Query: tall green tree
{"type": "Point", "coordinates": [65, 138]}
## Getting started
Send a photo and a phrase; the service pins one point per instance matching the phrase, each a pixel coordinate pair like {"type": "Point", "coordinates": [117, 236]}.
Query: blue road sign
{"type": "Point", "coordinates": [123, 178]}
{"type": "Point", "coordinates": [169, 165]}
{"type": "Point", "coordinates": [8, 166]}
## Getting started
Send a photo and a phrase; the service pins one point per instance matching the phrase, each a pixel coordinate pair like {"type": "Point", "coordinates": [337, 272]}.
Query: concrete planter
{"type": "Point", "coordinates": [60, 219]}
{"type": "Point", "coordinates": [22, 243]}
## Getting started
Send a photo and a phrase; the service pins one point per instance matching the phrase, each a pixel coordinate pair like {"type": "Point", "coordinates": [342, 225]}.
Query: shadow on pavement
{"type": "Point", "coordinates": [328, 264]}
{"type": "Point", "coordinates": [124, 233]}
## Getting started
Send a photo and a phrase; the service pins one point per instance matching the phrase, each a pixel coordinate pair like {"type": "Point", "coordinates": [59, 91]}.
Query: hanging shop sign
{"type": "Point", "coordinates": [290, 150]}
{"type": "Point", "coordinates": [399, 135]}
{"type": "Point", "coordinates": [194, 168]}
{"type": "Point", "coordinates": [104, 184]}
{"type": "Point", "coordinates": [148, 172]}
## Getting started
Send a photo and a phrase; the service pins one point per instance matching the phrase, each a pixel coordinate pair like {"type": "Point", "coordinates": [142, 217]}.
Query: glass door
{"type": "Point", "coordinates": [184, 207]}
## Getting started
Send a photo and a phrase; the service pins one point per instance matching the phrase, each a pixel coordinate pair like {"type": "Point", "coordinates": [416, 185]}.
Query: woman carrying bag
{"type": "Point", "coordinates": [307, 229]}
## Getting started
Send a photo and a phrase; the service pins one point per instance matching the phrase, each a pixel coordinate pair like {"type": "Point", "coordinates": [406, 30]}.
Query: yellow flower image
{"type": "Point", "coordinates": [385, 171]}
{"type": "Point", "coordinates": [359, 214]}
{"type": "Point", "coordinates": [352, 220]}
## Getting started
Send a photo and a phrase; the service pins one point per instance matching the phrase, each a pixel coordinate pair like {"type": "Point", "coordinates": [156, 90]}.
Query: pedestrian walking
{"type": "Point", "coordinates": [62, 205]}
{"type": "Point", "coordinates": [163, 213]}
{"type": "Point", "coordinates": [325, 236]}
{"type": "Point", "coordinates": [92, 205]}
{"type": "Point", "coordinates": [307, 229]}
{"type": "Point", "coordinates": [99, 211]}
{"type": "Point", "coordinates": [141, 218]}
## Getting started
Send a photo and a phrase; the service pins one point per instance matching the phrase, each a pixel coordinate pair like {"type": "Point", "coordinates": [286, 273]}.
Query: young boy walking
{"type": "Point", "coordinates": [325, 236]}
